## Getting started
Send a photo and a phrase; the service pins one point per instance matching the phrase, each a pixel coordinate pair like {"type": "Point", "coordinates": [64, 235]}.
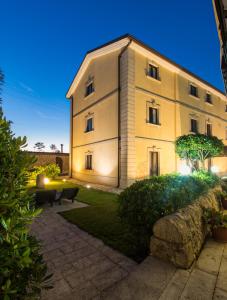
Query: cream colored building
{"type": "Point", "coordinates": [128, 105]}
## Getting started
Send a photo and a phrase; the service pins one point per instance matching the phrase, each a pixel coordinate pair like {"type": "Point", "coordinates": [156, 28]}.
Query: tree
{"type": "Point", "coordinates": [53, 147]}
{"type": "Point", "coordinates": [22, 269]}
{"type": "Point", "coordinates": [195, 148]}
{"type": "Point", "coordinates": [39, 146]}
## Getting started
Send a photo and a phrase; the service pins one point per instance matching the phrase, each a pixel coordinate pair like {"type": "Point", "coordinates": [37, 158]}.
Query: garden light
{"type": "Point", "coordinates": [46, 180]}
{"type": "Point", "coordinates": [64, 180]}
{"type": "Point", "coordinates": [185, 170]}
{"type": "Point", "coordinates": [88, 186]}
{"type": "Point", "coordinates": [214, 169]}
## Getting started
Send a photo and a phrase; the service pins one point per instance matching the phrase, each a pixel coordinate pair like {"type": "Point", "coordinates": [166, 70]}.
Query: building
{"type": "Point", "coordinates": [128, 105]}
{"type": "Point", "coordinates": [220, 12]}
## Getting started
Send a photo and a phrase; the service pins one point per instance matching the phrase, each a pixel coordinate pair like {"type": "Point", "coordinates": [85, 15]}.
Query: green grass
{"type": "Point", "coordinates": [100, 218]}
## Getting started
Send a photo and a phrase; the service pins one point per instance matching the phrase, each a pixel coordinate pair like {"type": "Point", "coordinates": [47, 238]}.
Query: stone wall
{"type": "Point", "coordinates": [44, 158]}
{"type": "Point", "coordinates": [179, 237]}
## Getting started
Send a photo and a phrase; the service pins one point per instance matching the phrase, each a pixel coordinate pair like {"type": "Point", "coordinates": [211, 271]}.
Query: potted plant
{"type": "Point", "coordinates": [217, 224]}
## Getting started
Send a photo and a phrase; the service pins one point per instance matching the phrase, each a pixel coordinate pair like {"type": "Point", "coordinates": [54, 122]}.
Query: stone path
{"type": "Point", "coordinates": [154, 279]}
{"type": "Point", "coordinates": [85, 268]}
{"type": "Point", "coordinates": [82, 265]}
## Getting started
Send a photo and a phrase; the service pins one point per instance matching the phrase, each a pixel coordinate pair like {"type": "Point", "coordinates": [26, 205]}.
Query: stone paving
{"type": "Point", "coordinates": [155, 279]}
{"type": "Point", "coordinates": [82, 266]}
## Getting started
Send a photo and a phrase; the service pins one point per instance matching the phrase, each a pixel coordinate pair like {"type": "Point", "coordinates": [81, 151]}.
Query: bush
{"type": "Point", "coordinates": [22, 270]}
{"type": "Point", "coordinates": [144, 202]}
{"type": "Point", "coordinates": [50, 171]}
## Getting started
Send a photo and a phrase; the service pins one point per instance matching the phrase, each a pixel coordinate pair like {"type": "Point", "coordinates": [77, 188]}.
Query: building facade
{"type": "Point", "coordinates": [128, 105]}
{"type": "Point", "coordinates": [220, 13]}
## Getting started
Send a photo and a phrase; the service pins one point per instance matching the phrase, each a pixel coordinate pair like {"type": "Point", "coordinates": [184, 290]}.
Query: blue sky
{"type": "Point", "coordinates": [43, 42]}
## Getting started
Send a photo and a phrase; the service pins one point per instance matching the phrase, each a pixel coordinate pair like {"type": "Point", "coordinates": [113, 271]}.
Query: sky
{"type": "Point", "coordinates": [42, 44]}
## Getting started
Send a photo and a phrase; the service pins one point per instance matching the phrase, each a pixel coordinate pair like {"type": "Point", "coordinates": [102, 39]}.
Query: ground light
{"type": "Point", "coordinates": [64, 180]}
{"type": "Point", "coordinates": [46, 180]}
{"type": "Point", "coordinates": [88, 186]}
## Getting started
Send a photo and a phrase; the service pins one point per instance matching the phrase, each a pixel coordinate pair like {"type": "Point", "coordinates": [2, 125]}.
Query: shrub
{"type": "Point", "coordinates": [144, 202]}
{"type": "Point", "coordinates": [50, 171]}
{"type": "Point", "coordinates": [22, 270]}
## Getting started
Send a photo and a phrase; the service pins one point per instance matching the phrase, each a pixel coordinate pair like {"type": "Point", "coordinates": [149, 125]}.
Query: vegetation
{"type": "Point", "coordinates": [144, 202]}
{"type": "Point", "coordinates": [39, 146]}
{"type": "Point", "coordinates": [53, 147]}
{"type": "Point", "coordinates": [22, 270]}
{"type": "Point", "coordinates": [197, 148]}
{"type": "Point", "coordinates": [214, 218]}
{"type": "Point", "coordinates": [51, 171]}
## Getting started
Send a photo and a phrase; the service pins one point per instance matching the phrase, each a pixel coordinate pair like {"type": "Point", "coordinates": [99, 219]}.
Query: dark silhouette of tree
{"type": "Point", "coordinates": [53, 147]}
{"type": "Point", "coordinates": [39, 146]}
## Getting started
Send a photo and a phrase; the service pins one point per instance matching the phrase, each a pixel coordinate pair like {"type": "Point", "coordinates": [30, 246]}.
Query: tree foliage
{"type": "Point", "coordinates": [39, 146]}
{"type": "Point", "coordinates": [198, 147]}
{"type": "Point", "coordinates": [22, 270]}
{"type": "Point", "coordinates": [53, 147]}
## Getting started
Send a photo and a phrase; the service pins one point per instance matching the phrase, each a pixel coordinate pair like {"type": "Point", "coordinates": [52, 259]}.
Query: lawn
{"type": "Point", "coordinates": [100, 218]}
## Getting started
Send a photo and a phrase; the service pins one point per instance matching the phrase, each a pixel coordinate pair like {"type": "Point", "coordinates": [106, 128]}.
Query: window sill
{"type": "Point", "coordinates": [158, 80]}
{"type": "Point", "coordinates": [88, 131]}
{"type": "Point", "coordinates": [86, 97]}
{"type": "Point", "coordinates": [195, 97]}
{"type": "Point", "coordinates": [208, 103]}
{"type": "Point", "coordinates": [192, 132]}
{"type": "Point", "coordinates": [154, 124]}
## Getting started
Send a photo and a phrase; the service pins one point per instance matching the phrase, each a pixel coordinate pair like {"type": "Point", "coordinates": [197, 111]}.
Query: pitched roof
{"type": "Point", "coordinates": [129, 38]}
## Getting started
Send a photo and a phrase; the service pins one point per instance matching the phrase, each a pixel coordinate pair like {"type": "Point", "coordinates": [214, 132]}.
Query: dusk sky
{"type": "Point", "coordinates": [42, 43]}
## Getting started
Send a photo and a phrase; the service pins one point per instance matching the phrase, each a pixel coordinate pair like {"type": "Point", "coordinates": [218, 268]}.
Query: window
{"type": "Point", "coordinates": [88, 162]}
{"type": "Point", "coordinates": [89, 89]}
{"type": "Point", "coordinates": [154, 164]}
{"type": "Point", "coordinates": [89, 125]}
{"type": "Point", "coordinates": [194, 126]}
{"type": "Point", "coordinates": [226, 108]}
{"type": "Point", "coordinates": [209, 129]}
{"type": "Point", "coordinates": [208, 98]}
{"type": "Point", "coordinates": [153, 115]}
{"type": "Point", "coordinates": [153, 71]}
{"type": "Point", "coordinates": [193, 90]}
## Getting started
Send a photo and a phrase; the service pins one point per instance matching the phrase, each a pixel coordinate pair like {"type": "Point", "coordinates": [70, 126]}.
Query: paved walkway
{"type": "Point", "coordinates": [154, 279]}
{"type": "Point", "coordinates": [82, 265]}
{"type": "Point", "coordinates": [84, 268]}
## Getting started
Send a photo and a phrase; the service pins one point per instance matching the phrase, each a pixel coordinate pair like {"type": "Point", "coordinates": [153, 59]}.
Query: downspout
{"type": "Point", "coordinates": [119, 114]}
{"type": "Point", "coordinates": [71, 137]}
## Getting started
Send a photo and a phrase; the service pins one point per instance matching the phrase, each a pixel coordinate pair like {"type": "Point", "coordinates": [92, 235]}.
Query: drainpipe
{"type": "Point", "coordinates": [119, 114]}
{"type": "Point", "coordinates": [71, 137]}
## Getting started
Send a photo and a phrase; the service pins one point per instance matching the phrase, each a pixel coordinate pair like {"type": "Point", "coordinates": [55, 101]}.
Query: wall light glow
{"type": "Point", "coordinates": [214, 169]}
{"type": "Point", "coordinates": [185, 170]}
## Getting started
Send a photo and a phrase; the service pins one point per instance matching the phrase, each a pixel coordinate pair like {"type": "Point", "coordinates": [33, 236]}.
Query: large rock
{"type": "Point", "coordinates": [179, 237]}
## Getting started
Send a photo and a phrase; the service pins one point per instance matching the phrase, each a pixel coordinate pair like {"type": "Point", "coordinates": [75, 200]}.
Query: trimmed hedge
{"type": "Point", "coordinates": [146, 201]}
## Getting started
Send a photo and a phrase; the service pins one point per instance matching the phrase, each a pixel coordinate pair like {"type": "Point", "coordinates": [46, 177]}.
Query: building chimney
{"type": "Point", "coordinates": [61, 148]}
